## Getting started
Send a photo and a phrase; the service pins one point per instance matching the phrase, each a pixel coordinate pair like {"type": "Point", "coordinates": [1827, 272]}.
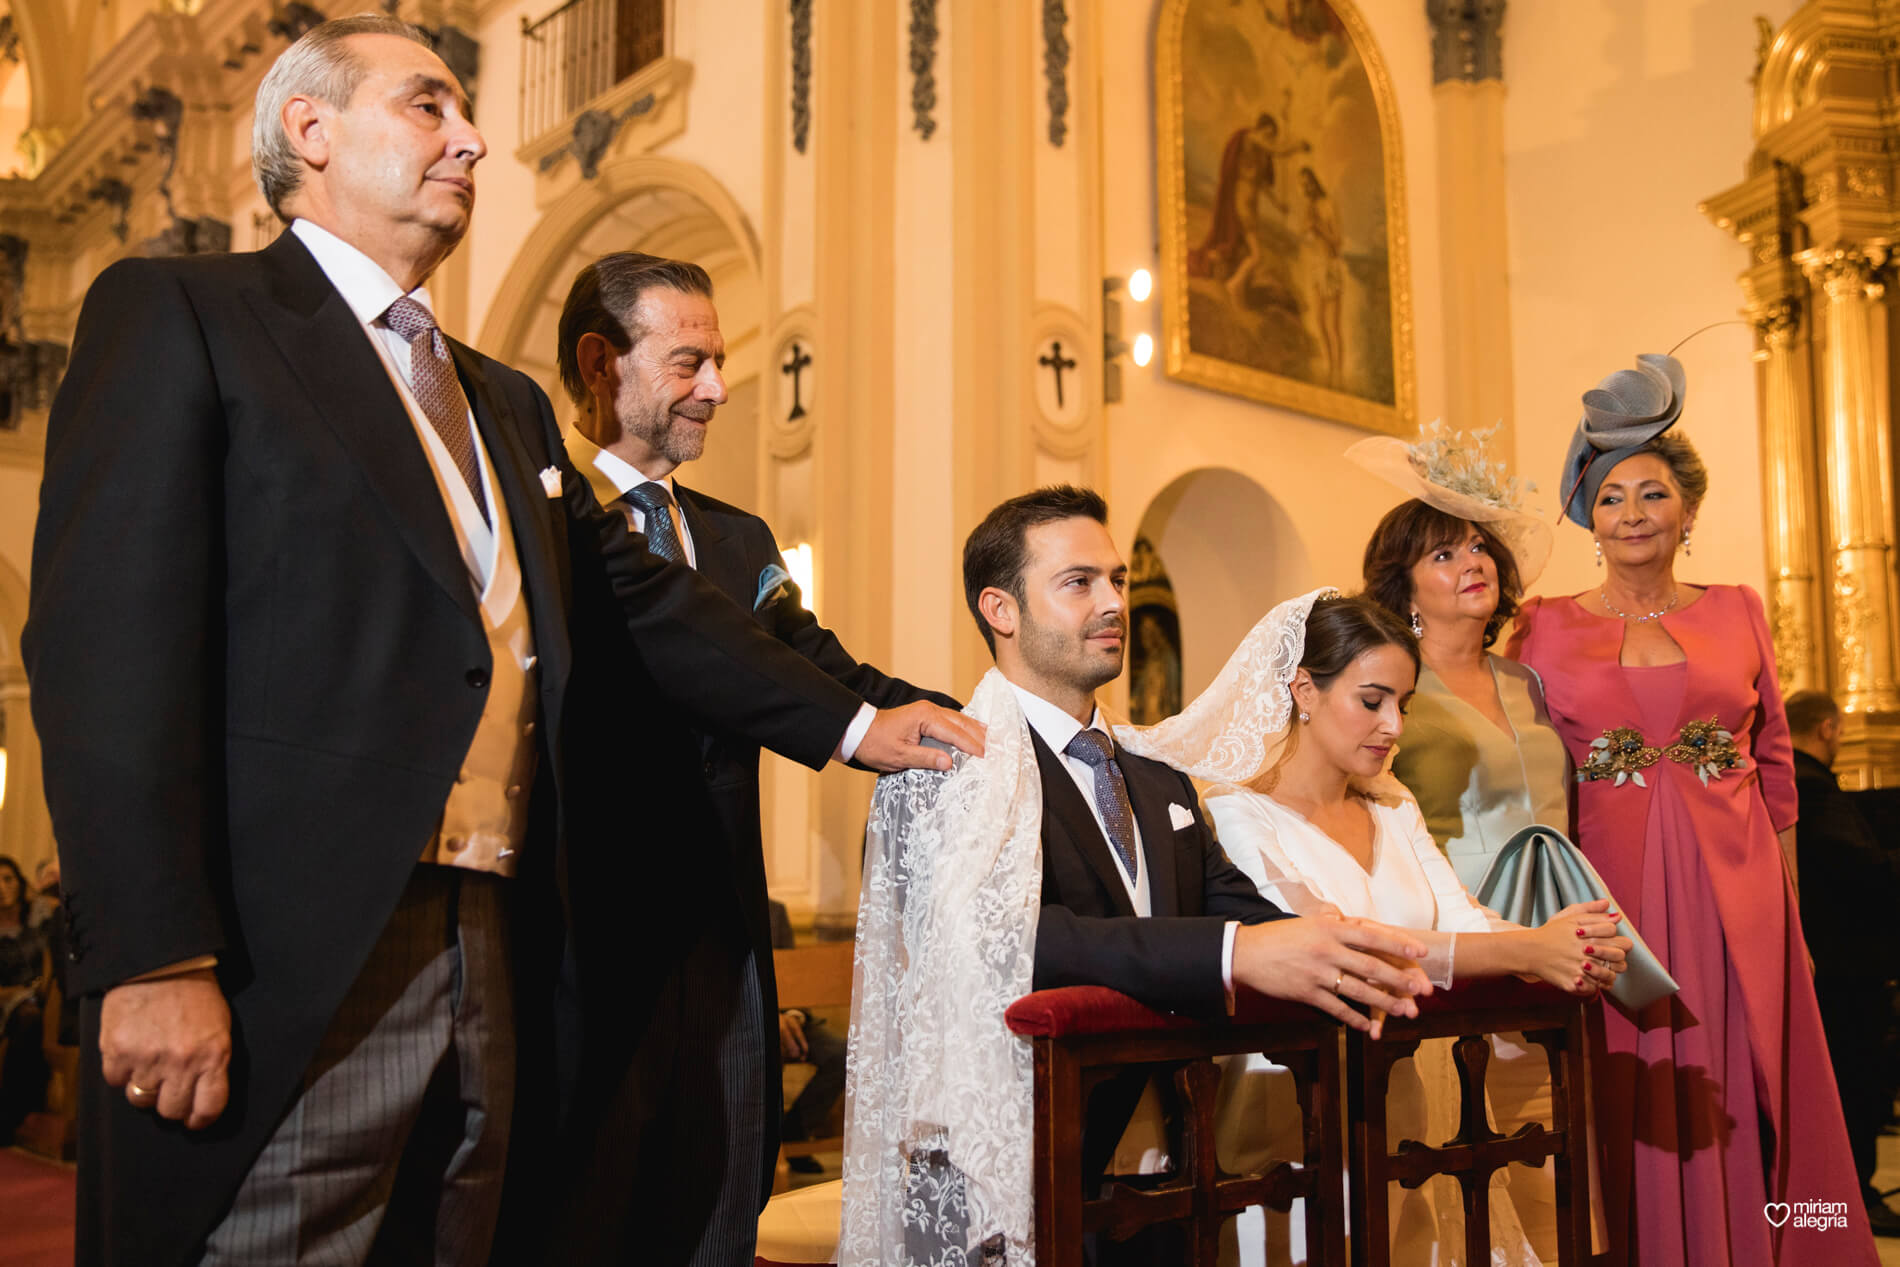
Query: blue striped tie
{"type": "Point", "coordinates": [1092, 748]}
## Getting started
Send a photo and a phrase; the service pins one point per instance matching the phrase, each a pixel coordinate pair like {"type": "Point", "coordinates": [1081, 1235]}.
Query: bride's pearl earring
{"type": "Point", "coordinates": [1305, 716]}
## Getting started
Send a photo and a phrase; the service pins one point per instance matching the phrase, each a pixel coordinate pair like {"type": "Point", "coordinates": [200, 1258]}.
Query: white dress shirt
{"type": "Point", "coordinates": [623, 476]}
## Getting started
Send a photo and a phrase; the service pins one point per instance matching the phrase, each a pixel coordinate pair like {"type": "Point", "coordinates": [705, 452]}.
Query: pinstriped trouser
{"type": "Point", "coordinates": [393, 1152]}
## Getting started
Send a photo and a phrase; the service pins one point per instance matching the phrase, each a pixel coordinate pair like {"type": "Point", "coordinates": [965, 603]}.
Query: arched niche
{"type": "Point", "coordinates": [663, 207]}
{"type": "Point", "coordinates": [1231, 552]}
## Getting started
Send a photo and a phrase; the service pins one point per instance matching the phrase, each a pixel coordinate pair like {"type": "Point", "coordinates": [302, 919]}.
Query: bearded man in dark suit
{"type": "Point", "coordinates": [1137, 894]}
{"type": "Point", "coordinates": [672, 1131]}
{"type": "Point", "coordinates": [304, 589]}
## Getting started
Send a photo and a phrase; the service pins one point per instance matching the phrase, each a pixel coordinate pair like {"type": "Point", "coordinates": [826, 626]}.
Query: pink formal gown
{"type": "Point", "coordinates": [1717, 1105]}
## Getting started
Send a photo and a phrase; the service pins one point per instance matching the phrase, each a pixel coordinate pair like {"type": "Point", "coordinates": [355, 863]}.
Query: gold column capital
{"type": "Point", "coordinates": [1845, 272]}
{"type": "Point", "coordinates": [1777, 322]}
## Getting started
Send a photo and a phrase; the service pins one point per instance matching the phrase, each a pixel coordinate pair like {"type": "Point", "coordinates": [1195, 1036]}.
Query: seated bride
{"type": "Point", "coordinates": [1296, 735]}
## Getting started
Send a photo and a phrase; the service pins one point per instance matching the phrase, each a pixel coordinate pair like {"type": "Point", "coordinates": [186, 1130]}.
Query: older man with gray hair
{"type": "Point", "coordinates": [304, 584]}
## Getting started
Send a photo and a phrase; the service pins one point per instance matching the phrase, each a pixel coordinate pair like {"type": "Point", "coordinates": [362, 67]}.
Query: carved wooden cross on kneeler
{"type": "Point", "coordinates": [1057, 362]}
{"type": "Point", "coordinates": [796, 368]}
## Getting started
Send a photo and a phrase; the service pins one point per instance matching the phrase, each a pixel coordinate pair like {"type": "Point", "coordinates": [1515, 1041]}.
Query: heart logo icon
{"type": "Point", "coordinates": [1776, 1212]}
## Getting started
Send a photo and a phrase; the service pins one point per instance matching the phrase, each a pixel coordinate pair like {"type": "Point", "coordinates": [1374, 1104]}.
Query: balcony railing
{"type": "Point", "coordinates": [581, 50]}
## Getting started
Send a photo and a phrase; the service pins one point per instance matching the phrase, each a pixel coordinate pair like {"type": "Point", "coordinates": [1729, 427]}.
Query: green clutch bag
{"type": "Point", "coordinates": [1537, 874]}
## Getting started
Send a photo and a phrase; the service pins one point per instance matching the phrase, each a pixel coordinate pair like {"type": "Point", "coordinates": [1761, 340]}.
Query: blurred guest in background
{"type": "Point", "coordinates": [1850, 891]}
{"type": "Point", "coordinates": [22, 990]}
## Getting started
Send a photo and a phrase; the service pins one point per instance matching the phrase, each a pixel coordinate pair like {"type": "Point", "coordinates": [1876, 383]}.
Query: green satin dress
{"type": "Point", "coordinates": [1477, 785]}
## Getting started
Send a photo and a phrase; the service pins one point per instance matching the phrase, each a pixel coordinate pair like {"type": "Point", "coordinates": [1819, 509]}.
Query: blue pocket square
{"type": "Point", "coordinates": [774, 583]}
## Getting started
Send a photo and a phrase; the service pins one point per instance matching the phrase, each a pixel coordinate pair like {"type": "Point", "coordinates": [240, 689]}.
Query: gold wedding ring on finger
{"type": "Point", "coordinates": [1337, 978]}
{"type": "Point", "coordinates": [139, 1095]}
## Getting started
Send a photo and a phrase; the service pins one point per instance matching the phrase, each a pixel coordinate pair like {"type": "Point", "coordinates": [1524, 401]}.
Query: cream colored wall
{"type": "Point", "coordinates": [1619, 120]}
{"type": "Point", "coordinates": [1163, 429]}
{"type": "Point", "coordinates": [725, 126]}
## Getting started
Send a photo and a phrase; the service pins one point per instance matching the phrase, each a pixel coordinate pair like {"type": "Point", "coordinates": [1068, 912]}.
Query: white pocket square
{"type": "Point", "coordinates": [551, 481]}
{"type": "Point", "coordinates": [1180, 815]}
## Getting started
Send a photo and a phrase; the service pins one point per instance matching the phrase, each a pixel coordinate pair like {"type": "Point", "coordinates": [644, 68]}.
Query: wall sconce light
{"type": "Point", "coordinates": [1140, 285]}
{"type": "Point", "coordinates": [799, 562]}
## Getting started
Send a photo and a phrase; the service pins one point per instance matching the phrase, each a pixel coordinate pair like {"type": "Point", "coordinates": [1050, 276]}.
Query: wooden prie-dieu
{"type": "Point", "coordinates": [1085, 1035]}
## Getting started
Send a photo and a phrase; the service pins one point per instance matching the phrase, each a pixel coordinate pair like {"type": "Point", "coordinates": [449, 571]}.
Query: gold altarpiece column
{"type": "Point", "coordinates": [1818, 213]}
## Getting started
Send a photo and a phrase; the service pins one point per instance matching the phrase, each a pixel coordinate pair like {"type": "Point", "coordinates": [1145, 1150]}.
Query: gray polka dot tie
{"type": "Point", "coordinates": [432, 379]}
{"type": "Point", "coordinates": [656, 506]}
{"type": "Point", "coordinates": [1092, 748]}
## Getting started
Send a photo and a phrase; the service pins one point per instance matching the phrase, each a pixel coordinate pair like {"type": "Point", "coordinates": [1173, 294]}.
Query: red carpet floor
{"type": "Point", "coordinates": [36, 1228]}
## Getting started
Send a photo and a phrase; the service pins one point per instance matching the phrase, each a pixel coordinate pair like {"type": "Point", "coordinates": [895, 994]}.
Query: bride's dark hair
{"type": "Point", "coordinates": [1340, 630]}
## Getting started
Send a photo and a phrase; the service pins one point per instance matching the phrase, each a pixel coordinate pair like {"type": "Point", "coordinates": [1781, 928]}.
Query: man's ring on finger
{"type": "Point", "coordinates": [137, 1094]}
{"type": "Point", "coordinates": [1337, 978]}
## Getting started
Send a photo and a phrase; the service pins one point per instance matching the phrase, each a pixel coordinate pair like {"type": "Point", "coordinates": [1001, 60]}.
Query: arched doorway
{"type": "Point", "coordinates": [1230, 552]}
{"type": "Point", "coordinates": [662, 207]}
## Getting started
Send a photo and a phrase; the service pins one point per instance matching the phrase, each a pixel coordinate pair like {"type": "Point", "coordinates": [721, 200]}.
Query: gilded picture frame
{"type": "Point", "coordinates": [1280, 177]}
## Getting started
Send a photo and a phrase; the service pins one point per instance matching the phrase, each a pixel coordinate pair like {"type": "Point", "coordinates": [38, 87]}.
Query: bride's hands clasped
{"type": "Point", "coordinates": [1578, 949]}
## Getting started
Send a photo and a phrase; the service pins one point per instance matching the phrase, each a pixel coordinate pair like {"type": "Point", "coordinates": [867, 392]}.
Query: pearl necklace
{"type": "Point", "coordinates": [1603, 592]}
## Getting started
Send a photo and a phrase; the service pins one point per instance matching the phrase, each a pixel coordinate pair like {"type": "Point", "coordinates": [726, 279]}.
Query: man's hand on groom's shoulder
{"type": "Point", "coordinates": [1331, 963]}
{"type": "Point", "coordinates": [895, 740]}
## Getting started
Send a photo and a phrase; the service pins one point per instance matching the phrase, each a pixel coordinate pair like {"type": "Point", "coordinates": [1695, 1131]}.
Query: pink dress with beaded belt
{"type": "Point", "coordinates": [1698, 1090]}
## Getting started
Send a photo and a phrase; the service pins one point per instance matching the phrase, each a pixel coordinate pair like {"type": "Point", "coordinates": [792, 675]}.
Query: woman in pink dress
{"type": "Point", "coordinates": [1717, 1109]}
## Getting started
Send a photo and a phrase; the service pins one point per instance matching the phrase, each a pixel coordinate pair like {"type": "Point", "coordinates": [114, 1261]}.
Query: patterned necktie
{"type": "Point", "coordinates": [656, 504]}
{"type": "Point", "coordinates": [1092, 748]}
{"type": "Point", "coordinates": [432, 378]}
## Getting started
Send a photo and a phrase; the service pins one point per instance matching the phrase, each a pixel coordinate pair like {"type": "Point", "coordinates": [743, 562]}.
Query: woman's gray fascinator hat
{"type": "Point", "coordinates": [1621, 414]}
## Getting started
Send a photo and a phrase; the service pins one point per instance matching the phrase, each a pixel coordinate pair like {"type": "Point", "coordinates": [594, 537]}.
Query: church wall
{"type": "Point", "coordinates": [1619, 120]}
{"type": "Point", "coordinates": [724, 40]}
{"type": "Point", "coordinates": [1163, 429]}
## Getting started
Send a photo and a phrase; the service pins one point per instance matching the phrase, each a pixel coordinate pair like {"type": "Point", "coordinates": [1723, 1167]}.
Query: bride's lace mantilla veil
{"type": "Point", "coordinates": [1235, 732]}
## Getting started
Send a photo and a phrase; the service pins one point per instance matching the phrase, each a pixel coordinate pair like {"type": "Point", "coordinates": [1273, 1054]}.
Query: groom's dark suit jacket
{"type": "Point", "coordinates": [257, 663]}
{"type": "Point", "coordinates": [1088, 932]}
{"type": "Point", "coordinates": [647, 1126]}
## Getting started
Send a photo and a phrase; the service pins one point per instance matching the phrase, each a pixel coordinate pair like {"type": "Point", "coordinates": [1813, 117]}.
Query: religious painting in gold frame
{"type": "Point", "coordinates": [1285, 271]}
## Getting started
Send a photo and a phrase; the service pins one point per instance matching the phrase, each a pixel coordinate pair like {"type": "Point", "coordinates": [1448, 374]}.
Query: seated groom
{"type": "Point", "coordinates": [1058, 859]}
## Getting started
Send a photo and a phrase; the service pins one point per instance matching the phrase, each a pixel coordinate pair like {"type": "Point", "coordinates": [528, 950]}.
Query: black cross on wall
{"type": "Point", "coordinates": [796, 368]}
{"type": "Point", "coordinates": [1057, 362]}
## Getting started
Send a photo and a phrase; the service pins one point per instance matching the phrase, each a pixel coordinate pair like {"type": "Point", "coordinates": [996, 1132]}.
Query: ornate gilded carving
{"type": "Point", "coordinates": [801, 74]}
{"type": "Point", "coordinates": [1853, 621]}
{"type": "Point", "coordinates": [114, 193]}
{"type": "Point", "coordinates": [1788, 627]}
{"type": "Point", "coordinates": [1848, 274]}
{"type": "Point", "coordinates": [1764, 41]}
{"type": "Point", "coordinates": [923, 66]}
